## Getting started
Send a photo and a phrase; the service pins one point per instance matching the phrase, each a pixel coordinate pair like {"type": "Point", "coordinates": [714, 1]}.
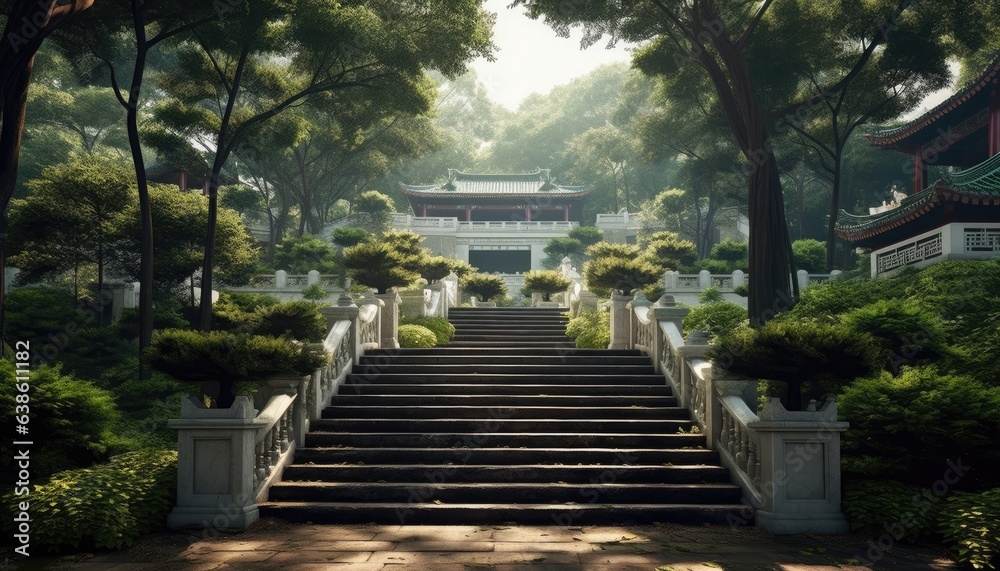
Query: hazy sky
{"type": "Point", "coordinates": [531, 58]}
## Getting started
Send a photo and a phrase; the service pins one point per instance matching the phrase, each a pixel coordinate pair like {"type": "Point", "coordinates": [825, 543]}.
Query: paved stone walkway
{"type": "Point", "coordinates": [277, 545]}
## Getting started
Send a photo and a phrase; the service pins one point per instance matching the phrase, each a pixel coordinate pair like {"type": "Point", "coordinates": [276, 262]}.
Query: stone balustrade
{"type": "Point", "coordinates": [786, 462]}
{"type": "Point", "coordinates": [228, 458]}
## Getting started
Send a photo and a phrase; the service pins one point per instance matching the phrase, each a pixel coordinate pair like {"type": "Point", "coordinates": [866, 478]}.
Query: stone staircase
{"type": "Point", "coordinates": [509, 423]}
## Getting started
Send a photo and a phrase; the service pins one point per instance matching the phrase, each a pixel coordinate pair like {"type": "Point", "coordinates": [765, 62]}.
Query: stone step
{"type": "Point", "coordinates": [580, 401]}
{"type": "Point", "coordinates": [503, 425]}
{"type": "Point", "coordinates": [512, 330]}
{"type": "Point", "coordinates": [511, 340]}
{"type": "Point", "coordinates": [509, 310]}
{"type": "Point", "coordinates": [446, 359]}
{"type": "Point", "coordinates": [503, 440]}
{"type": "Point", "coordinates": [370, 387]}
{"type": "Point", "coordinates": [487, 376]}
{"type": "Point", "coordinates": [504, 456]}
{"type": "Point", "coordinates": [494, 514]}
{"type": "Point", "coordinates": [342, 411]}
{"type": "Point", "coordinates": [472, 351]}
{"type": "Point", "coordinates": [529, 473]}
{"type": "Point", "coordinates": [511, 345]}
{"type": "Point", "coordinates": [511, 493]}
{"type": "Point", "coordinates": [511, 369]}
{"type": "Point", "coordinates": [521, 323]}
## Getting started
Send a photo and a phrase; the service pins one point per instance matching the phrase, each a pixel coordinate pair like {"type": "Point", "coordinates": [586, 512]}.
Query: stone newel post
{"type": "Point", "coordinates": [389, 317]}
{"type": "Point", "coordinates": [621, 324]}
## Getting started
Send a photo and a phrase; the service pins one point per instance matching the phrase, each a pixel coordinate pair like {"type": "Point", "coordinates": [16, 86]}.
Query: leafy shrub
{"type": "Point", "coordinates": [91, 351]}
{"type": "Point", "coordinates": [106, 507]}
{"type": "Point", "coordinates": [435, 268]}
{"type": "Point", "coordinates": [908, 332]}
{"type": "Point", "coordinates": [347, 236]}
{"type": "Point", "coordinates": [715, 318]}
{"type": "Point", "coordinates": [194, 356]}
{"type": "Point", "coordinates": [379, 265]}
{"type": "Point", "coordinates": [230, 313]}
{"type": "Point", "coordinates": [798, 352]}
{"type": "Point", "coordinates": [591, 330]}
{"type": "Point", "coordinates": [166, 315]}
{"type": "Point", "coordinates": [250, 302]}
{"type": "Point", "coordinates": [545, 282]}
{"type": "Point", "coordinates": [741, 290]}
{"type": "Point", "coordinates": [711, 294]}
{"type": "Point", "coordinates": [299, 320]}
{"type": "Point", "coordinates": [971, 525]}
{"type": "Point", "coordinates": [72, 417]}
{"type": "Point", "coordinates": [303, 255]}
{"type": "Point", "coordinates": [559, 248]}
{"type": "Point", "coordinates": [871, 506]}
{"type": "Point", "coordinates": [673, 253]}
{"type": "Point", "coordinates": [484, 286]}
{"type": "Point", "coordinates": [33, 314]}
{"type": "Point", "coordinates": [587, 235]}
{"type": "Point", "coordinates": [443, 330]}
{"type": "Point", "coordinates": [315, 293]}
{"type": "Point", "coordinates": [619, 267]}
{"type": "Point", "coordinates": [730, 251]}
{"type": "Point", "coordinates": [906, 426]}
{"type": "Point", "coordinates": [416, 336]}
{"type": "Point", "coordinates": [840, 296]}
{"type": "Point", "coordinates": [809, 255]}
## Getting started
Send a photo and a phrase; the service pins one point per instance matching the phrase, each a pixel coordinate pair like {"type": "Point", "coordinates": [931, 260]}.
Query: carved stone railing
{"type": "Point", "coordinates": [578, 298]}
{"type": "Point", "coordinates": [228, 458]}
{"type": "Point", "coordinates": [676, 282]}
{"type": "Point", "coordinates": [786, 462]}
{"type": "Point", "coordinates": [288, 287]}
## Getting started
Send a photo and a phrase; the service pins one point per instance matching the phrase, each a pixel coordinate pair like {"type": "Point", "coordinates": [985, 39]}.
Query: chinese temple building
{"type": "Point", "coordinates": [957, 217]}
{"type": "Point", "coordinates": [499, 223]}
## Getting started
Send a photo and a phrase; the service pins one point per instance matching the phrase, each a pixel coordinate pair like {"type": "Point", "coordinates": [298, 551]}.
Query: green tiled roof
{"type": "Point", "coordinates": [982, 180]}
{"type": "Point", "coordinates": [853, 224]}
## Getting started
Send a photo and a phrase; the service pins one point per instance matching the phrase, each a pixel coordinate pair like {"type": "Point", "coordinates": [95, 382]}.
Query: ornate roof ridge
{"type": "Point", "coordinates": [890, 135]}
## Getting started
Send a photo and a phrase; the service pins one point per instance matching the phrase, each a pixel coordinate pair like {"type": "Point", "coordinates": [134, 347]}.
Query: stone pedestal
{"type": "Point", "coordinates": [215, 466]}
{"type": "Point", "coordinates": [620, 321]}
{"type": "Point", "coordinates": [389, 316]}
{"type": "Point", "coordinates": [800, 470]}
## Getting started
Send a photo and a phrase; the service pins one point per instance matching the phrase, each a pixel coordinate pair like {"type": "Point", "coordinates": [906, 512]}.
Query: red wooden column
{"type": "Point", "coordinates": [468, 213]}
{"type": "Point", "coordinates": [423, 210]}
{"type": "Point", "coordinates": [919, 171]}
{"type": "Point", "coordinates": [994, 132]}
{"type": "Point", "coordinates": [183, 180]}
{"type": "Point", "coordinates": [527, 213]}
{"type": "Point", "coordinates": [566, 213]}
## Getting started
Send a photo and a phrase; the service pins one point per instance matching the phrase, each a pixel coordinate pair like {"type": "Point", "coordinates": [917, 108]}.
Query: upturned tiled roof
{"type": "Point", "coordinates": [503, 185]}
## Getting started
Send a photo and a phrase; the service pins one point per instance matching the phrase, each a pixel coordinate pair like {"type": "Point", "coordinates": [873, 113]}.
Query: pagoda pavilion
{"type": "Point", "coordinates": [497, 222]}
{"type": "Point", "coordinates": [957, 217]}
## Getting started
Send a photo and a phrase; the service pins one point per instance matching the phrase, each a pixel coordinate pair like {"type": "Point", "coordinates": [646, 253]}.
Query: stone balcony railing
{"type": "Point", "coordinates": [418, 223]}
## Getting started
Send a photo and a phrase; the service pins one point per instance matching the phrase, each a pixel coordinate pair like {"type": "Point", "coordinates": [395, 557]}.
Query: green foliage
{"type": "Point", "coordinates": [33, 314]}
{"type": "Point", "coordinates": [443, 330]}
{"type": "Point", "coordinates": [840, 296]}
{"type": "Point", "coordinates": [591, 330]}
{"type": "Point", "coordinates": [196, 357]}
{"type": "Point", "coordinates": [461, 268]}
{"type": "Point", "coordinates": [90, 351]}
{"type": "Point", "coordinates": [299, 320]}
{"type": "Point", "coordinates": [167, 314]}
{"type": "Point", "coordinates": [315, 293]}
{"type": "Point", "coordinates": [484, 286]}
{"type": "Point", "coordinates": [731, 251]}
{"type": "Point", "coordinates": [672, 253]}
{"type": "Point", "coordinates": [243, 199]}
{"type": "Point", "coordinates": [545, 282]}
{"type": "Point", "coordinates": [108, 506]}
{"type": "Point", "coordinates": [379, 265]}
{"type": "Point", "coordinates": [72, 417]}
{"type": "Point", "coordinates": [715, 318]}
{"type": "Point", "coordinates": [416, 336]}
{"type": "Point", "coordinates": [249, 302]}
{"type": "Point", "coordinates": [435, 268]}
{"type": "Point", "coordinates": [586, 235]}
{"type": "Point", "coordinates": [559, 248]}
{"type": "Point", "coordinates": [711, 294]}
{"type": "Point", "coordinates": [373, 211]}
{"type": "Point", "coordinates": [909, 332]}
{"type": "Point", "coordinates": [742, 290]}
{"type": "Point", "coordinates": [303, 255]}
{"type": "Point", "coordinates": [618, 267]}
{"type": "Point", "coordinates": [809, 255]}
{"type": "Point", "coordinates": [905, 426]}
{"type": "Point", "coordinates": [908, 510]}
{"type": "Point", "coordinates": [347, 236]}
{"type": "Point", "coordinates": [971, 526]}
{"type": "Point", "coordinates": [795, 352]}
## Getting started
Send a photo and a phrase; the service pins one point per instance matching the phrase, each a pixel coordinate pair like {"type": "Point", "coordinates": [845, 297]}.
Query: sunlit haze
{"type": "Point", "coordinates": [531, 58]}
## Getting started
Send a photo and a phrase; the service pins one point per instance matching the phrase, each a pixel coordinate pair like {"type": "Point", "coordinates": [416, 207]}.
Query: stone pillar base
{"type": "Point", "coordinates": [222, 517]}
{"type": "Point", "coordinates": [794, 524]}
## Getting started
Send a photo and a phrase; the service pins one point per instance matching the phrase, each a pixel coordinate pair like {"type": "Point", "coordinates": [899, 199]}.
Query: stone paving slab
{"type": "Point", "coordinates": [280, 546]}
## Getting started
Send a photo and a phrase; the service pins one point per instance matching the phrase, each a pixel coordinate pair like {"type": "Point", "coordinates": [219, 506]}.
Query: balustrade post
{"type": "Point", "coordinates": [312, 278]}
{"type": "Point", "coordinates": [216, 453]}
{"type": "Point", "coordinates": [800, 470]}
{"type": "Point", "coordinates": [803, 277]}
{"type": "Point", "coordinates": [389, 320]}
{"type": "Point", "coordinates": [695, 347]}
{"type": "Point", "coordinates": [704, 280]}
{"type": "Point", "coordinates": [641, 303]}
{"type": "Point", "coordinates": [836, 275]}
{"type": "Point", "coordinates": [739, 279]}
{"type": "Point", "coordinates": [670, 280]}
{"type": "Point", "coordinates": [345, 310]}
{"type": "Point", "coordinates": [281, 279]}
{"type": "Point", "coordinates": [620, 321]}
{"type": "Point", "coordinates": [666, 309]}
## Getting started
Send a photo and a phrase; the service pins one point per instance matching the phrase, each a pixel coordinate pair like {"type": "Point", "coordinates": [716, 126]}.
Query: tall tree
{"type": "Point", "coordinates": [754, 53]}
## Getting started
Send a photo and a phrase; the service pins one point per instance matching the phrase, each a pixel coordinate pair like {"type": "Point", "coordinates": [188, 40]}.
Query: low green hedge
{"type": "Point", "coordinates": [971, 527]}
{"type": "Point", "coordinates": [715, 318]}
{"type": "Point", "coordinates": [416, 336]}
{"type": "Point", "coordinates": [443, 330]}
{"type": "Point", "coordinates": [105, 507]}
{"type": "Point", "coordinates": [591, 330]}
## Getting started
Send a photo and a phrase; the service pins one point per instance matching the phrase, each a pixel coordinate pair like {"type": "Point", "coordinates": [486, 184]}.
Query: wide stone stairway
{"type": "Point", "coordinates": [510, 423]}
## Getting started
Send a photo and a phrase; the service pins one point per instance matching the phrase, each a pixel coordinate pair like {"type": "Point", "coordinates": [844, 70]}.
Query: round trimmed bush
{"type": "Point", "coordinates": [299, 320]}
{"type": "Point", "coordinates": [416, 336]}
{"type": "Point", "coordinates": [441, 327]}
{"type": "Point", "coordinates": [545, 282]}
{"type": "Point", "coordinates": [484, 286]}
{"type": "Point", "coordinates": [715, 318]}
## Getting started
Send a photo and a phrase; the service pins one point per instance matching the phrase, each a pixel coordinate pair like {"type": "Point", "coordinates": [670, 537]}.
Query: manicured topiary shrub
{"type": "Point", "coordinates": [619, 267]}
{"type": "Point", "coordinates": [194, 356]}
{"type": "Point", "coordinates": [591, 330]}
{"type": "Point", "coordinates": [416, 336]}
{"type": "Point", "coordinates": [443, 330]}
{"type": "Point", "coordinates": [715, 318]}
{"type": "Point", "coordinates": [809, 255]}
{"type": "Point", "coordinates": [711, 294]}
{"type": "Point", "coordinates": [108, 506]}
{"type": "Point", "coordinates": [908, 333]}
{"type": "Point", "coordinates": [300, 320]}
{"type": "Point", "coordinates": [484, 286]}
{"type": "Point", "coordinates": [379, 265]}
{"type": "Point", "coordinates": [435, 268]}
{"type": "Point", "coordinates": [544, 282]}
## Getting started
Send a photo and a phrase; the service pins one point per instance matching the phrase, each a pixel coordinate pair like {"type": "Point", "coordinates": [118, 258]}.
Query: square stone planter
{"type": "Point", "coordinates": [477, 303]}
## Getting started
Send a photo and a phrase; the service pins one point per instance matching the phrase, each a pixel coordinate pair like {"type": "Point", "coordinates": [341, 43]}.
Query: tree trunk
{"type": "Point", "coordinates": [831, 234]}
